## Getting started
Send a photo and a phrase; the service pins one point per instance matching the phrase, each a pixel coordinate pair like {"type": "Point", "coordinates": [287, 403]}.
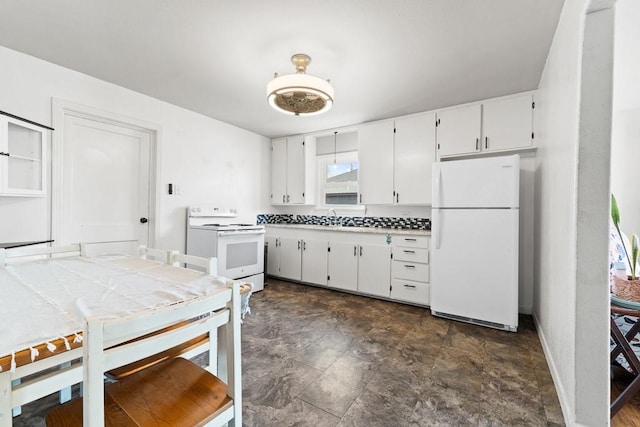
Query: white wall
{"type": "Point", "coordinates": [212, 161]}
{"type": "Point", "coordinates": [625, 137]}
{"type": "Point", "coordinates": [571, 294]}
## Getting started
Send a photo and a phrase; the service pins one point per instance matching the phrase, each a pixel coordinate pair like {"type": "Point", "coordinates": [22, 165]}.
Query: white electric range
{"type": "Point", "coordinates": [239, 248]}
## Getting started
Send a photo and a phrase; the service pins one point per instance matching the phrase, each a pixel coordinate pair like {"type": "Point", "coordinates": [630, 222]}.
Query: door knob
{"type": "Point", "coordinates": [144, 220]}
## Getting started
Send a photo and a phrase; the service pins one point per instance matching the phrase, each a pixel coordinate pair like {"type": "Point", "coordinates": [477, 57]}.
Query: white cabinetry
{"type": "Point", "coordinates": [414, 153]}
{"type": "Point", "coordinates": [501, 124]}
{"type": "Point", "coordinates": [22, 158]}
{"type": "Point", "coordinates": [375, 158]}
{"type": "Point", "coordinates": [343, 265]}
{"type": "Point", "coordinates": [507, 123]}
{"type": "Point", "coordinates": [395, 160]}
{"type": "Point", "coordinates": [392, 266]}
{"type": "Point", "coordinates": [360, 267]}
{"type": "Point", "coordinates": [273, 255]}
{"type": "Point", "coordinates": [314, 261]}
{"type": "Point", "coordinates": [290, 258]}
{"type": "Point", "coordinates": [292, 170]}
{"type": "Point", "coordinates": [374, 270]}
{"type": "Point", "coordinates": [458, 130]}
{"type": "Point", "coordinates": [297, 259]}
{"type": "Point", "coordinates": [410, 269]}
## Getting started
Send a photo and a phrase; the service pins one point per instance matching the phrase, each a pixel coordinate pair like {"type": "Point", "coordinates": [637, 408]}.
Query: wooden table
{"type": "Point", "coordinates": [623, 347]}
{"type": "Point", "coordinates": [47, 300]}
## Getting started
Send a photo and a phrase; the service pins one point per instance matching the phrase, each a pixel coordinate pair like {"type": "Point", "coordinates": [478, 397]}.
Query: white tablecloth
{"type": "Point", "coordinates": [45, 300]}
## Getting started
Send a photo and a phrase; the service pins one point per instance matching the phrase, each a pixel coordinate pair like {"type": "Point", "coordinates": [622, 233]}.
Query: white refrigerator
{"type": "Point", "coordinates": [474, 235]}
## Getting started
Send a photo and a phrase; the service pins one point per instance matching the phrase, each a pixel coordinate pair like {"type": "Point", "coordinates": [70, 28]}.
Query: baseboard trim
{"type": "Point", "coordinates": [562, 396]}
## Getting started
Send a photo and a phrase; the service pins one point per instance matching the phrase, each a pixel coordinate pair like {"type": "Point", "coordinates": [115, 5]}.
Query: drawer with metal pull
{"type": "Point", "coordinates": [411, 241]}
{"type": "Point", "coordinates": [410, 271]}
{"type": "Point", "coordinates": [411, 254]}
{"type": "Point", "coordinates": [407, 290]}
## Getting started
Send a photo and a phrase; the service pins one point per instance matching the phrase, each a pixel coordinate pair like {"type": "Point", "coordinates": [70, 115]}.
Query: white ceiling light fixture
{"type": "Point", "coordinates": [300, 94]}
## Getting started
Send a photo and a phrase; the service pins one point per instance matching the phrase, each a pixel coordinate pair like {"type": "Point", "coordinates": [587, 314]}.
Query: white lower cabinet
{"type": "Point", "coordinates": [273, 255]}
{"type": "Point", "coordinates": [290, 258]}
{"type": "Point", "coordinates": [314, 261]}
{"type": "Point", "coordinates": [297, 259]}
{"type": "Point", "coordinates": [374, 270]}
{"type": "Point", "coordinates": [387, 266]}
{"type": "Point", "coordinates": [343, 265]}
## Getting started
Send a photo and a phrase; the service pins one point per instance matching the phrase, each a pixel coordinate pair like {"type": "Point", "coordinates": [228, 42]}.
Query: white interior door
{"type": "Point", "coordinates": [105, 185]}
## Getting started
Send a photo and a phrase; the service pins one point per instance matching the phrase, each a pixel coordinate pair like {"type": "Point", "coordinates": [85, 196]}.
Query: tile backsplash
{"type": "Point", "coordinates": [347, 221]}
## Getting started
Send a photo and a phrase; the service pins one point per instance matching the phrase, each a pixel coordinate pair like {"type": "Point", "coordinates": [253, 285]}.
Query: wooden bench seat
{"type": "Point", "coordinates": [163, 394]}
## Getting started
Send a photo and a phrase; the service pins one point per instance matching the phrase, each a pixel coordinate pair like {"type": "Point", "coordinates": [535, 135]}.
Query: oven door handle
{"type": "Point", "coordinates": [240, 233]}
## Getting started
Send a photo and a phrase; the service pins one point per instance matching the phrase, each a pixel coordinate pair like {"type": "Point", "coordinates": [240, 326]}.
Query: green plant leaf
{"type": "Point", "coordinates": [634, 255]}
{"type": "Point", "coordinates": [615, 213]}
{"type": "Point", "coordinates": [615, 217]}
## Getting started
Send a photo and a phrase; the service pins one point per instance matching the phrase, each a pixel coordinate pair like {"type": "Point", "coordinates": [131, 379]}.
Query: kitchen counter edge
{"type": "Point", "coordinates": [342, 228]}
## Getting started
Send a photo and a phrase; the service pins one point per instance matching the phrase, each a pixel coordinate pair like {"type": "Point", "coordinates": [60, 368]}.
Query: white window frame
{"type": "Point", "coordinates": [323, 161]}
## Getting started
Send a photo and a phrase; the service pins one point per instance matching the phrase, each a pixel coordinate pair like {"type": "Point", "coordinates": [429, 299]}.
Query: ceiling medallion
{"type": "Point", "coordinates": [300, 94]}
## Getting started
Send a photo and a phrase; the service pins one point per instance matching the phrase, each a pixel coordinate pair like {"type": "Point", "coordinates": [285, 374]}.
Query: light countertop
{"type": "Point", "coordinates": [342, 228]}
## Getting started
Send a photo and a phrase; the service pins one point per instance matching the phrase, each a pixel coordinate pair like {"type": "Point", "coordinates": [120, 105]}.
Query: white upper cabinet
{"type": "Point", "coordinates": [414, 153]}
{"type": "Point", "coordinates": [459, 130]}
{"type": "Point", "coordinates": [375, 158]}
{"type": "Point", "coordinates": [22, 158]}
{"type": "Point", "coordinates": [501, 124]}
{"type": "Point", "coordinates": [395, 160]}
{"type": "Point", "coordinates": [507, 123]}
{"type": "Point", "coordinates": [279, 171]}
{"type": "Point", "coordinates": [292, 170]}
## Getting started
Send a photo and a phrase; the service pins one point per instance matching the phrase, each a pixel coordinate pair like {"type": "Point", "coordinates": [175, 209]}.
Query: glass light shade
{"type": "Point", "coordinates": [300, 94]}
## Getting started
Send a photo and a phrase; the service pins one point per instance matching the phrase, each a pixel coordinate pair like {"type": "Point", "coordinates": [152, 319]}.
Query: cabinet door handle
{"type": "Point", "coordinates": [409, 252]}
{"type": "Point", "coordinates": [360, 250]}
{"type": "Point", "coordinates": [486, 142]}
{"type": "Point", "coordinates": [406, 239]}
{"type": "Point", "coordinates": [287, 198]}
{"type": "Point", "coordinates": [298, 244]}
{"type": "Point", "coordinates": [409, 286]}
{"type": "Point", "coordinates": [304, 246]}
{"type": "Point", "coordinates": [355, 251]}
{"type": "Point", "coordinates": [283, 200]}
{"type": "Point", "coordinates": [409, 266]}
{"type": "Point", "coordinates": [360, 197]}
{"type": "Point", "coordinates": [477, 141]}
{"type": "Point", "coordinates": [397, 197]}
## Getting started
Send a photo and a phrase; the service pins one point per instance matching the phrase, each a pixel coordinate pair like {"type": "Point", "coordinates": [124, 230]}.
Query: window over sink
{"type": "Point", "coordinates": [338, 179]}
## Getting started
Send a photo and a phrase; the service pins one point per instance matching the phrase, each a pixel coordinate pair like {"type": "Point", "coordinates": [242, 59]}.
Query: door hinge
{"type": "Point", "coordinates": [532, 135]}
{"type": "Point", "coordinates": [533, 105]}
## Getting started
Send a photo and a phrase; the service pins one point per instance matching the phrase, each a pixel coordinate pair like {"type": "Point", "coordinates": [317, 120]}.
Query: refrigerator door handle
{"type": "Point", "coordinates": [436, 188]}
{"type": "Point", "coordinates": [436, 222]}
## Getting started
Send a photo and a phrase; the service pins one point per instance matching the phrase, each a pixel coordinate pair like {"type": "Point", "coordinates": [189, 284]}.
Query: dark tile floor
{"type": "Point", "coordinates": [314, 357]}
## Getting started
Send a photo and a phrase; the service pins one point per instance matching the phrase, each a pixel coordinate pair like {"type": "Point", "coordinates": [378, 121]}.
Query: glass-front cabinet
{"type": "Point", "coordinates": [22, 158]}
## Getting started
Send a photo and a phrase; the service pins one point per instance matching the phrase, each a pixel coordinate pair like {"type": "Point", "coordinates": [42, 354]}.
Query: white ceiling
{"type": "Point", "coordinates": [385, 58]}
